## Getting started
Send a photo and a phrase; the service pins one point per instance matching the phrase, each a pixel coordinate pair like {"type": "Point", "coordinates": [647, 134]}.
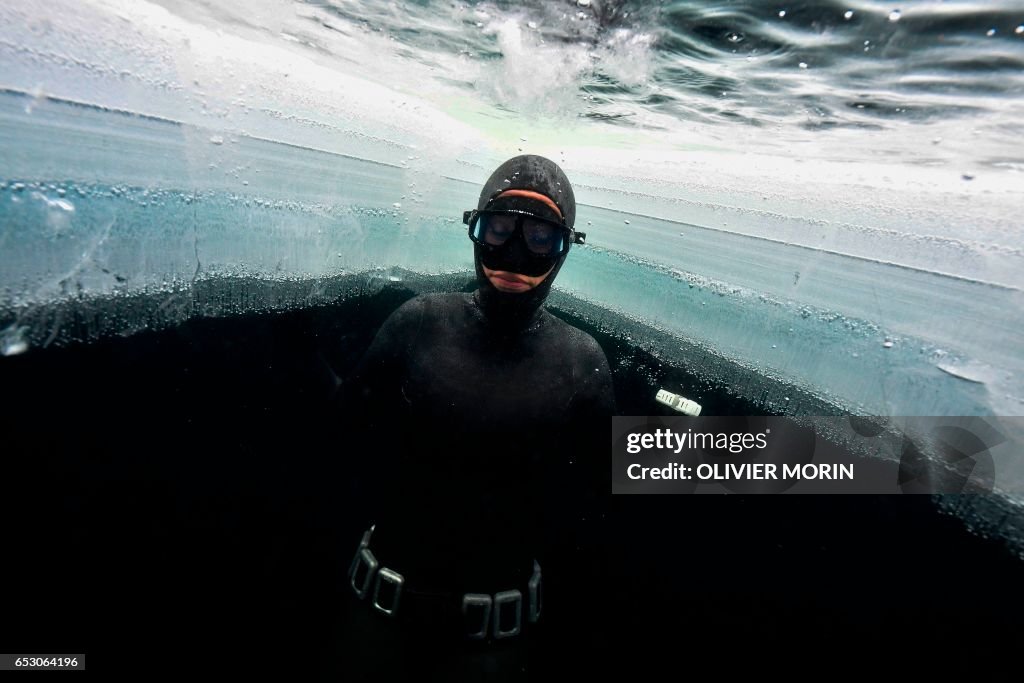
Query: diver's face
{"type": "Point", "coordinates": [511, 282]}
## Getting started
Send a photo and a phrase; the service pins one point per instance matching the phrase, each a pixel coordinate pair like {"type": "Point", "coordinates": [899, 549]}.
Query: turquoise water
{"type": "Point", "coordinates": [827, 194]}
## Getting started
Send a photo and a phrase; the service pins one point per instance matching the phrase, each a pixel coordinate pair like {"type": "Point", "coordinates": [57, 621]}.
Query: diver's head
{"type": "Point", "coordinates": [523, 227]}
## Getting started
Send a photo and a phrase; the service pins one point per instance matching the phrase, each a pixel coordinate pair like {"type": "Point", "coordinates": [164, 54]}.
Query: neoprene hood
{"type": "Point", "coordinates": [526, 172]}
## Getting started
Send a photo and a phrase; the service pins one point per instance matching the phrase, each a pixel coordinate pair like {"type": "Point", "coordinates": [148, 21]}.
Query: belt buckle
{"type": "Point", "coordinates": [481, 601]}
{"type": "Point", "coordinates": [396, 580]}
{"type": "Point", "coordinates": [534, 589]}
{"type": "Point", "coordinates": [370, 560]}
{"type": "Point", "coordinates": [512, 597]}
{"type": "Point", "coordinates": [364, 557]}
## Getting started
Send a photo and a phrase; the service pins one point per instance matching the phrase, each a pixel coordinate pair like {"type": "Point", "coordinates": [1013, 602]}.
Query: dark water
{"type": "Point", "coordinates": [182, 500]}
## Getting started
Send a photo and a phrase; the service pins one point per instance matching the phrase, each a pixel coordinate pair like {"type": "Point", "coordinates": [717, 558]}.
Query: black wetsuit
{"type": "Point", "coordinates": [482, 438]}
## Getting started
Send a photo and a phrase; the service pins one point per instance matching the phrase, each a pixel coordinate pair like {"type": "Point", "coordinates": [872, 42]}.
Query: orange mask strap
{"type": "Point", "coordinates": [532, 195]}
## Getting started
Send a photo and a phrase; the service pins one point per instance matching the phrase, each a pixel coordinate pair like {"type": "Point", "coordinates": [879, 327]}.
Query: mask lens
{"type": "Point", "coordinates": [541, 237]}
{"type": "Point", "coordinates": [495, 229]}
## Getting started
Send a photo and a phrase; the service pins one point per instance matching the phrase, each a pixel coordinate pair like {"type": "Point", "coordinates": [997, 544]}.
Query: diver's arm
{"type": "Point", "coordinates": [371, 392]}
{"type": "Point", "coordinates": [369, 409]}
{"type": "Point", "coordinates": [595, 390]}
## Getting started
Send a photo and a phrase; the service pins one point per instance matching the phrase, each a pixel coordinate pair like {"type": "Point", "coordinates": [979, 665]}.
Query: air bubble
{"type": "Point", "coordinates": [803, 65]}
{"type": "Point", "coordinates": [894, 15]}
{"type": "Point", "coordinates": [848, 14]}
{"type": "Point", "coordinates": [217, 140]}
{"type": "Point", "coordinates": [782, 13]}
{"type": "Point", "coordinates": [991, 32]}
{"type": "Point", "coordinates": [583, 3]}
{"type": "Point", "coordinates": [12, 341]}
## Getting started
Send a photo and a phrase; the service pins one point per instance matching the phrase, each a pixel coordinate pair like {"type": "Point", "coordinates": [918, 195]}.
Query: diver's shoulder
{"type": "Point", "coordinates": [580, 340]}
{"type": "Point", "coordinates": [428, 305]}
{"type": "Point", "coordinates": [440, 303]}
{"type": "Point", "coordinates": [443, 298]}
{"type": "Point", "coordinates": [429, 301]}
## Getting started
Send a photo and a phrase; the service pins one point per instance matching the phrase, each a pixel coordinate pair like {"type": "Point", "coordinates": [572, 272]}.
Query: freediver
{"type": "Point", "coordinates": [485, 417]}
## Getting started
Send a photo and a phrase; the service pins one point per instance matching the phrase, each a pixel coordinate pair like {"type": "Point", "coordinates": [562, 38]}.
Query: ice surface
{"type": "Point", "coordinates": [146, 151]}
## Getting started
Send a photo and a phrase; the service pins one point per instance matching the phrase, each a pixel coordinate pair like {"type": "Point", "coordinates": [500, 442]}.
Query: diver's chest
{"type": "Point", "coordinates": [525, 382]}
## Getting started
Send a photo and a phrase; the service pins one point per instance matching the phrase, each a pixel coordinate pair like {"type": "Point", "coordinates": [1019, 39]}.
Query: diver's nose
{"type": "Point", "coordinates": [518, 252]}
